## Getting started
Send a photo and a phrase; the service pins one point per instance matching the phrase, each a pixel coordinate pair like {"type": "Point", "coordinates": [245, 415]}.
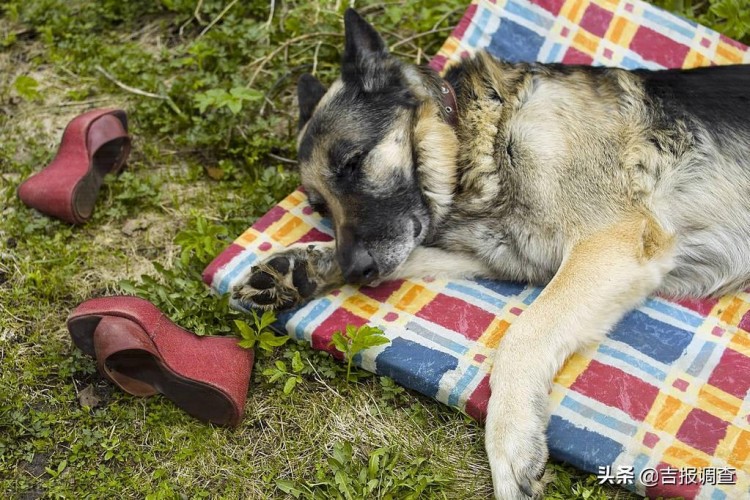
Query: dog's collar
{"type": "Point", "coordinates": [450, 107]}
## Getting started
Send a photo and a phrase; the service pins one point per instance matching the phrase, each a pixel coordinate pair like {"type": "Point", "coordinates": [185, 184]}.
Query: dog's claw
{"type": "Point", "coordinates": [510, 485]}
{"type": "Point", "coordinates": [525, 486]}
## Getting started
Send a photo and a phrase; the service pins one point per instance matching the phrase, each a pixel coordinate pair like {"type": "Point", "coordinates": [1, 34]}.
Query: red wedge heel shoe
{"type": "Point", "coordinates": [94, 144]}
{"type": "Point", "coordinates": [144, 353]}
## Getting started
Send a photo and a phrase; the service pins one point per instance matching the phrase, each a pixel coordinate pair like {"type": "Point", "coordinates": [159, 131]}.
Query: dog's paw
{"type": "Point", "coordinates": [517, 459]}
{"type": "Point", "coordinates": [518, 465]}
{"type": "Point", "coordinates": [517, 451]}
{"type": "Point", "coordinates": [286, 279]}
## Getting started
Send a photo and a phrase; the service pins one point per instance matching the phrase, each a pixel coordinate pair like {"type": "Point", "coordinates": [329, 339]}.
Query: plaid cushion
{"type": "Point", "coordinates": [664, 400]}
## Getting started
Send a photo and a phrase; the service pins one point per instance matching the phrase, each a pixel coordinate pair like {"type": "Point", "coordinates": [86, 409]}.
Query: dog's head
{"type": "Point", "coordinates": [365, 147]}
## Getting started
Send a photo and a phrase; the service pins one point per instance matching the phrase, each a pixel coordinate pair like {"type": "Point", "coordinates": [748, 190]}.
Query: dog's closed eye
{"type": "Point", "coordinates": [509, 150]}
{"type": "Point", "coordinates": [317, 202]}
{"type": "Point", "coordinates": [320, 207]}
{"type": "Point", "coordinates": [349, 167]}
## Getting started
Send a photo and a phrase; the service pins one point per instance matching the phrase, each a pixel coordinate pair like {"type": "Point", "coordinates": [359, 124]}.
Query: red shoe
{"type": "Point", "coordinates": [93, 145]}
{"type": "Point", "coordinates": [144, 353]}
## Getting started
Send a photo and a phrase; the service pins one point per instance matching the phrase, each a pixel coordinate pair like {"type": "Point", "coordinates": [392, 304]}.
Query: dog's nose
{"type": "Point", "coordinates": [356, 262]}
{"type": "Point", "coordinates": [358, 266]}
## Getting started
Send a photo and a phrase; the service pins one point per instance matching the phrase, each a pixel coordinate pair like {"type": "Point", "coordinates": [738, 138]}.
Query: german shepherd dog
{"type": "Point", "coordinates": [605, 184]}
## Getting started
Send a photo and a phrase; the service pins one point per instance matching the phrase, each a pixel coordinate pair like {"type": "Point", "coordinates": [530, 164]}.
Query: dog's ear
{"type": "Point", "coordinates": [363, 48]}
{"type": "Point", "coordinates": [362, 40]}
{"type": "Point", "coordinates": [309, 93]}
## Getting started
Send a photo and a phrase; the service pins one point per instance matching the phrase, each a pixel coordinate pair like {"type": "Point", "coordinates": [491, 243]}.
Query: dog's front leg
{"type": "Point", "coordinates": [290, 277]}
{"type": "Point", "coordinates": [601, 278]}
{"type": "Point", "coordinates": [297, 274]}
{"type": "Point", "coordinates": [442, 264]}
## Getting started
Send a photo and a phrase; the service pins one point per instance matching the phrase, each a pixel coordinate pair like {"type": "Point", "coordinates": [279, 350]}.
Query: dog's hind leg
{"type": "Point", "coordinates": [602, 277]}
{"type": "Point", "coordinates": [290, 277]}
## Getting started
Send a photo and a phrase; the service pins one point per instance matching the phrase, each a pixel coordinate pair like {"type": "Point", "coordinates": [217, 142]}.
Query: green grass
{"type": "Point", "coordinates": [209, 89]}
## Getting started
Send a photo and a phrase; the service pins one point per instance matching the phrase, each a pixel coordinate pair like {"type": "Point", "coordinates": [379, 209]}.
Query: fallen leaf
{"type": "Point", "coordinates": [215, 173]}
{"type": "Point", "coordinates": [88, 397]}
{"type": "Point", "coordinates": [134, 225]}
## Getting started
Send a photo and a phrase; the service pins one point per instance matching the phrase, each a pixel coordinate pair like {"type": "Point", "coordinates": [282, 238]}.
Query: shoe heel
{"type": "Point", "coordinates": [82, 333]}
{"type": "Point", "coordinates": [109, 143]}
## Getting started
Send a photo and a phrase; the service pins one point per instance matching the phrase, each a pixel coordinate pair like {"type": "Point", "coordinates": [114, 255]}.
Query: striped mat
{"type": "Point", "coordinates": [662, 405]}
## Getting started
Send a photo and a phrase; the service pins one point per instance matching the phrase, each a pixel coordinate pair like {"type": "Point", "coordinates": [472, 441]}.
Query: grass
{"type": "Point", "coordinates": [209, 89]}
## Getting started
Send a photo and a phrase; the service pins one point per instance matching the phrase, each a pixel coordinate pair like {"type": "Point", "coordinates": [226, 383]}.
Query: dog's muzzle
{"type": "Point", "coordinates": [356, 263]}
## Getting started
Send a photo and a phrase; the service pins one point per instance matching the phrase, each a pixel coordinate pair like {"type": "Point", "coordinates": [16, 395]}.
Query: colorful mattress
{"type": "Point", "coordinates": [662, 406]}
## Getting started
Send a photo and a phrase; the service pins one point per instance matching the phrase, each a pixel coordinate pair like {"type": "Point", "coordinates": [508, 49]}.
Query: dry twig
{"type": "Point", "coordinates": [140, 92]}
{"type": "Point", "coordinates": [196, 16]}
{"type": "Point", "coordinates": [264, 60]}
{"type": "Point", "coordinates": [216, 19]}
{"type": "Point", "coordinates": [419, 35]}
{"type": "Point", "coordinates": [128, 88]}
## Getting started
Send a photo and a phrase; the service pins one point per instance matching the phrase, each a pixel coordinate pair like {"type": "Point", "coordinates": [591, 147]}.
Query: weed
{"type": "Point", "coordinates": [203, 313]}
{"type": "Point", "coordinates": [355, 340]}
{"type": "Point", "coordinates": [319, 364]}
{"type": "Point", "coordinates": [27, 88]}
{"type": "Point", "coordinates": [232, 100]}
{"type": "Point", "coordinates": [279, 371]}
{"type": "Point", "coordinates": [731, 17]}
{"type": "Point", "coordinates": [383, 475]}
{"type": "Point", "coordinates": [259, 334]}
{"type": "Point", "coordinates": [391, 390]}
{"type": "Point", "coordinates": [202, 243]}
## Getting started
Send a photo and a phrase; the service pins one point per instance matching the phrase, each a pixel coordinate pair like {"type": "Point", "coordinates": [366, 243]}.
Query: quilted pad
{"type": "Point", "coordinates": [662, 405]}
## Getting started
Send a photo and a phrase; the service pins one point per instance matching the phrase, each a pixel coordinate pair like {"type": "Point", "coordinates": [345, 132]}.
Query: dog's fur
{"type": "Point", "coordinates": [607, 184]}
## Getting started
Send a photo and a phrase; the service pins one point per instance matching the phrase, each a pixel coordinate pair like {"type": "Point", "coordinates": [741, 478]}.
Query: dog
{"type": "Point", "coordinates": [604, 184]}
